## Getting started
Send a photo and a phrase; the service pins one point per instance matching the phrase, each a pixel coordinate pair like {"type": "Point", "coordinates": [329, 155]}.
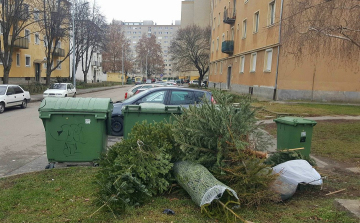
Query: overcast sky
{"type": "Point", "coordinates": [162, 12]}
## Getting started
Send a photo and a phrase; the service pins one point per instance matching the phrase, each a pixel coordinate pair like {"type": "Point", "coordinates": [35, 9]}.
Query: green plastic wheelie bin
{"type": "Point", "coordinates": [76, 129]}
{"type": "Point", "coordinates": [152, 112]}
{"type": "Point", "coordinates": [294, 132]}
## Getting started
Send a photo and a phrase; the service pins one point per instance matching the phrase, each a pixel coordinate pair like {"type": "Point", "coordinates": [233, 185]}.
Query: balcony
{"type": "Point", "coordinates": [229, 15]}
{"type": "Point", "coordinates": [227, 47]}
{"type": "Point", "coordinates": [58, 52]}
{"type": "Point", "coordinates": [20, 43]}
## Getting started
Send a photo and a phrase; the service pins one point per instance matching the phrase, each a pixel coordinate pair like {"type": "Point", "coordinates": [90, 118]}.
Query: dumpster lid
{"type": "Point", "coordinates": [76, 105]}
{"type": "Point", "coordinates": [152, 107]}
{"type": "Point", "coordinates": [295, 121]}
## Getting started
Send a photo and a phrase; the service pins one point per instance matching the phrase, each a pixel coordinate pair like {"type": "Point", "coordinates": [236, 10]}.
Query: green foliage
{"type": "Point", "coordinates": [205, 132]}
{"type": "Point", "coordinates": [283, 156]}
{"type": "Point", "coordinates": [34, 88]}
{"type": "Point", "coordinates": [138, 167]}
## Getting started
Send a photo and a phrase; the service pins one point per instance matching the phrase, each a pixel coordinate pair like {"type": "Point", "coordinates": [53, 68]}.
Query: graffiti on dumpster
{"type": "Point", "coordinates": [71, 136]}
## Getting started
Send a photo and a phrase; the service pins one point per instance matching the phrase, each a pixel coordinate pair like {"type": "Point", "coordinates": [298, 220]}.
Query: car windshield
{"type": "Point", "coordinates": [2, 90]}
{"type": "Point", "coordinates": [58, 86]}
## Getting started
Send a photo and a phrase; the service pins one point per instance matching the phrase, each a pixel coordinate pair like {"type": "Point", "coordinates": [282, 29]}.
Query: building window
{"type": "Point", "coordinates": [223, 37]}
{"type": "Point", "coordinates": [221, 67]}
{"type": "Point", "coordinates": [244, 29]}
{"type": "Point", "coordinates": [256, 22]}
{"type": "Point", "coordinates": [37, 38]}
{"type": "Point", "coordinates": [268, 60]}
{"type": "Point", "coordinates": [45, 64]}
{"type": "Point", "coordinates": [213, 46]}
{"type": "Point", "coordinates": [36, 14]}
{"type": "Point", "coordinates": [58, 65]}
{"type": "Point", "coordinates": [242, 64]}
{"type": "Point", "coordinates": [271, 16]}
{"type": "Point", "coordinates": [217, 44]}
{"type": "Point", "coordinates": [253, 62]}
{"type": "Point", "coordinates": [246, 1]}
{"type": "Point", "coordinates": [215, 68]}
{"type": "Point", "coordinates": [219, 19]}
{"type": "Point", "coordinates": [18, 59]}
{"type": "Point", "coordinates": [214, 24]}
{"type": "Point", "coordinates": [27, 34]}
{"type": "Point", "coordinates": [27, 60]}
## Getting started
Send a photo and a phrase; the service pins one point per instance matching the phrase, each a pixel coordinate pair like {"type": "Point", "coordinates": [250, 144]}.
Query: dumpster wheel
{"type": "Point", "coordinates": [94, 164]}
{"type": "Point", "coordinates": [50, 166]}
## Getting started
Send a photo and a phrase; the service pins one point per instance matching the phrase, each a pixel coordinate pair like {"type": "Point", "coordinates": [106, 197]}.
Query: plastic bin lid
{"type": "Point", "coordinates": [88, 105]}
{"type": "Point", "coordinates": [295, 121]}
{"type": "Point", "coordinates": [152, 108]}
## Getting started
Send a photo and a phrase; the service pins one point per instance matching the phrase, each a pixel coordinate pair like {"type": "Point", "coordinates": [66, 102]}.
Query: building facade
{"type": "Point", "coordinates": [28, 59]}
{"type": "Point", "coordinates": [164, 34]}
{"type": "Point", "coordinates": [95, 73]}
{"type": "Point", "coordinates": [195, 12]}
{"type": "Point", "coordinates": [248, 56]}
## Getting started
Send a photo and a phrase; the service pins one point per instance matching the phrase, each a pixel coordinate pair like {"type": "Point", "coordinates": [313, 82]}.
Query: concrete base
{"type": "Point", "coordinates": [259, 91]}
{"type": "Point", "coordinates": [352, 207]}
{"type": "Point", "coordinates": [323, 96]}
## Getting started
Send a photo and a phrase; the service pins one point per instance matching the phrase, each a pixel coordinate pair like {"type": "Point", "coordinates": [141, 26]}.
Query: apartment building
{"type": "Point", "coordinates": [95, 73]}
{"type": "Point", "coordinates": [164, 34]}
{"type": "Point", "coordinates": [29, 61]}
{"type": "Point", "coordinates": [195, 12]}
{"type": "Point", "coordinates": [248, 56]}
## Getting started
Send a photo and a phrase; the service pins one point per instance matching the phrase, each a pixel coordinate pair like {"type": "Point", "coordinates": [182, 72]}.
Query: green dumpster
{"type": "Point", "coordinates": [152, 112]}
{"type": "Point", "coordinates": [294, 132]}
{"type": "Point", "coordinates": [76, 129]}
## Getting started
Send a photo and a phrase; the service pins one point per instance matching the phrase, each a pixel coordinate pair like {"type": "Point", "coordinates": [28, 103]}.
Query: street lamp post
{"type": "Point", "coordinates": [122, 64]}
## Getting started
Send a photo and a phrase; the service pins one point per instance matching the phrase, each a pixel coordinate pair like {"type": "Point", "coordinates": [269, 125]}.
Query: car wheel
{"type": "Point", "coordinates": [117, 126]}
{"type": "Point", "coordinates": [24, 103]}
{"type": "Point", "coordinates": [2, 107]}
{"type": "Point", "coordinates": [65, 95]}
{"type": "Point", "coordinates": [74, 96]}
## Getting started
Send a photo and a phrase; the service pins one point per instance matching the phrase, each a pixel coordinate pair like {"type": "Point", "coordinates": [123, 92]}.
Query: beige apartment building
{"type": "Point", "coordinates": [164, 34]}
{"type": "Point", "coordinates": [248, 56]}
{"type": "Point", "coordinates": [195, 12]}
{"type": "Point", "coordinates": [29, 61]}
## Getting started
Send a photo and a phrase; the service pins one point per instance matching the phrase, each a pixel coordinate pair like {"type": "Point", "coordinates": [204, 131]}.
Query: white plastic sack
{"type": "Point", "coordinates": [298, 171]}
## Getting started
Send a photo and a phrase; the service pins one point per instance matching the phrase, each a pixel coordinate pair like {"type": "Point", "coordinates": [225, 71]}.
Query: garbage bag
{"type": "Point", "coordinates": [298, 171]}
{"type": "Point", "coordinates": [200, 184]}
{"type": "Point", "coordinates": [291, 173]}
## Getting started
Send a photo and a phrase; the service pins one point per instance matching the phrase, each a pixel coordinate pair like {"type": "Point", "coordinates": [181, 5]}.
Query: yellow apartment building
{"type": "Point", "coordinates": [28, 65]}
{"type": "Point", "coordinates": [247, 56]}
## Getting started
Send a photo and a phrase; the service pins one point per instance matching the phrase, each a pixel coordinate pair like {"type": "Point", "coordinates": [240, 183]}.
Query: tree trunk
{"type": "Point", "coordinates": [6, 76]}
{"type": "Point", "coordinates": [85, 76]}
{"type": "Point", "coordinates": [48, 75]}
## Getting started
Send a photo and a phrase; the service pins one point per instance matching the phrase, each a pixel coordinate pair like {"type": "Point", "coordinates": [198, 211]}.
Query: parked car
{"type": "Point", "coordinates": [60, 90]}
{"type": "Point", "coordinates": [132, 90]}
{"type": "Point", "coordinates": [13, 95]}
{"type": "Point", "coordinates": [194, 82]}
{"type": "Point", "coordinates": [138, 80]}
{"type": "Point", "coordinates": [164, 95]}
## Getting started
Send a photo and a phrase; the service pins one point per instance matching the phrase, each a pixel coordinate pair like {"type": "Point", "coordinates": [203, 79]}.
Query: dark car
{"type": "Point", "coordinates": [163, 95]}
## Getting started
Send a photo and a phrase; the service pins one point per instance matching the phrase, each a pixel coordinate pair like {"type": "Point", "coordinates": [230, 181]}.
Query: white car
{"type": "Point", "coordinates": [60, 90]}
{"type": "Point", "coordinates": [133, 90]}
{"type": "Point", "coordinates": [13, 95]}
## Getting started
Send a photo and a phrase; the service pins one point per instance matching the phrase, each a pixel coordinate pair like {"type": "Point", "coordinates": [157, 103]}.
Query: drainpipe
{"type": "Point", "coordinates": [278, 53]}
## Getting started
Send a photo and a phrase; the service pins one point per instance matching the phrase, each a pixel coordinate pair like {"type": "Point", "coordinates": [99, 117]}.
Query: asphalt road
{"type": "Point", "coordinates": [22, 135]}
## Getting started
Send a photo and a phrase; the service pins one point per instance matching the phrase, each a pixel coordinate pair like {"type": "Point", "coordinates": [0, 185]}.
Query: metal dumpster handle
{"type": "Point", "coordinates": [174, 109]}
{"type": "Point", "coordinates": [133, 108]}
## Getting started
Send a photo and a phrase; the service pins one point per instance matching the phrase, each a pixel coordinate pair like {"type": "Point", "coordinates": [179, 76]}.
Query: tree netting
{"type": "Point", "coordinates": [200, 184]}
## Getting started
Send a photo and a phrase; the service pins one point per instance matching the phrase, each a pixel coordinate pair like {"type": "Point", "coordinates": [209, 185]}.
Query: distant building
{"type": "Point", "coordinates": [95, 73]}
{"type": "Point", "coordinates": [195, 12]}
{"type": "Point", "coordinates": [164, 34]}
{"type": "Point", "coordinates": [247, 56]}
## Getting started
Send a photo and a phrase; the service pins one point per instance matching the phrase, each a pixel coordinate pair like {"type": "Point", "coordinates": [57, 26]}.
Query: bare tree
{"type": "Point", "coordinates": [15, 15]}
{"type": "Point", "coordinates": [322, 26]}
{"type": "Point", "coordinates": [55, 25]}
{"type": "Point", "coordinates": [191, 50]}
{"type": "Point", "coordinates": [117, 49]}
{"type": "Point", "coordinates": [149, 53]}
{"type": "Point", "coordinates": [94, 40]}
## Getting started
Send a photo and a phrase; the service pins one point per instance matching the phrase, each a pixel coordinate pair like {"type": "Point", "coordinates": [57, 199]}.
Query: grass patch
{"type": "Point", "coordinates": [335, 139]}
{"type": "Point", "coordinates": [68, 195]}
{"type": "Point", "coordinates": [308, 109]}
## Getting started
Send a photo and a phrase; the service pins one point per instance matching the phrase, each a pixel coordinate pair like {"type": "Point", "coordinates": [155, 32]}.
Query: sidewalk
{"type": "Point", "coordinates": [39, 97]}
